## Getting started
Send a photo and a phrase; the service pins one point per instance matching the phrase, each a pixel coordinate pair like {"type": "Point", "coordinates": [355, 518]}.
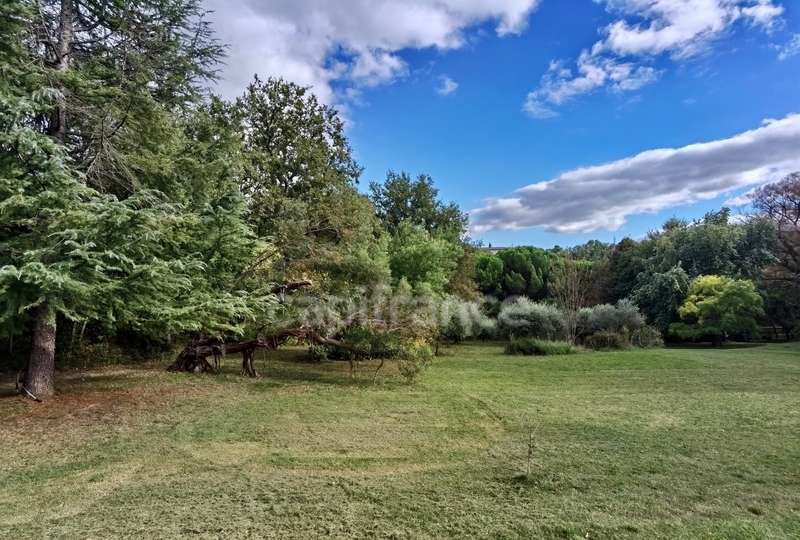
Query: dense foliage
{"type": "Point", "coordinates": [719, 307]}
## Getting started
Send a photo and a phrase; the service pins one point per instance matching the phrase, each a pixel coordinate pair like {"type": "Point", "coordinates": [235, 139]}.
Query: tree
{"type": "Point", "coordinates": [526, 271]}
{"type": "Point", "coordinates": [401, 199]}
{"type": "Point", "coordinates": [568, 289]}
{"type": "Point", "coordinates": [626, 261]}
{"type": "Point", "coordinates": [718, 307]}
{"type": "Point", "coordinates": [660, 294]}
{"type": "Point", "coordinates": [299, 178]}
{"type": "Point", "coordinates": [780, 204]}
{"type": "Point", "coordinates": [295, 150]}
{"type": "Point", "coordinates": [83, 236]}
{"type": "Point", "coordinates": [489, 273]}
{"type": "Point", "coordinates": [419, 258]}
{"type": "Point", "coordinates": [118, 68]}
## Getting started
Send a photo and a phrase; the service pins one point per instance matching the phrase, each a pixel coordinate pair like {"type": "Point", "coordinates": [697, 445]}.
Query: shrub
{"type": "Point", "coordinates": [647, 337]}
{"type": "Point", "coordinates": [619, 318]}
{"type": "Point", "coordinates": [365, 343]}
{"type": "Point", "coordinates": [604, 341]}
{"type": "Point", "coordinates": [413, 358]}
{"type": "Point", "coordinates": [460, 320]}
{"type": "Point", "coordinates": [523, 318]}
{"type": "Point", "coordinates": [318, 353]}
{"type": "Point", "coordinates": [539, 347]}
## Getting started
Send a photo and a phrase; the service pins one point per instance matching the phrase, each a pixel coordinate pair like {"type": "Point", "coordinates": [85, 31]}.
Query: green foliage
{"type": "Point", "coordinates": [539, 347]}
{"type": "Point", "coordinates": [489, 273]}
{"type": "Point", "coordinates": [526, 271]}
{"type": "Point", "coordinates": [414, 359]}
{"type": "Point", "coordinates": [318, 353]}
{"type": "Point", "coordinates": [782, 305]}
{"type": "Point", "coordinates": [607, 341]}
{"type": "Point", "coordinates": [622, 317]}
{"type": "Point", "coordinates": [660, 294]}
{"type": "Point", "coordinates": [460, 320]}
{"type": "Point", "coordinates": [401, 200]}
{"type": "Point", "coordinates": [718, 307]}
{"type": "Point", "coordinates": [416, 256]}
{"type": "Point", "coordinates": [626, 261]}
{"type": "Point", "coordinates": [525, 318]}
{"type": "Point", "coordinates": [647, 337]}
{"type": "Point", "coordinates": [299, 177]}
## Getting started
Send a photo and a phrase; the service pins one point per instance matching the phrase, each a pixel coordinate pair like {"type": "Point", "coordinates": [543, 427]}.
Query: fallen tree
{"type": "Point", "coordinates": [194, 357]}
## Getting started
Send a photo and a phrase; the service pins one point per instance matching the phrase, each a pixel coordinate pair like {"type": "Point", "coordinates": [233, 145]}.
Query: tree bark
{"type": "Point", "coordinates": [63, 53]}
{"type": "Point", "coordinates": [38, 381]}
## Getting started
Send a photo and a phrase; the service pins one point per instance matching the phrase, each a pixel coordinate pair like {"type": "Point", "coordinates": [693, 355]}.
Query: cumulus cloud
{"type": "Point", "coordinates": [446, 86]}
{"type": "Point", "coordinates": [329, 44]}
{"type": "Point", "coordinates": [604, 196]}
{"type": "Point", "coordinates": [645, 30]}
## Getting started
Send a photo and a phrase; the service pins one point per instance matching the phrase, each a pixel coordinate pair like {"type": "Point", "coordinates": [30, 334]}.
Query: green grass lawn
{"type": "Point", "coordinates": [677, 442]}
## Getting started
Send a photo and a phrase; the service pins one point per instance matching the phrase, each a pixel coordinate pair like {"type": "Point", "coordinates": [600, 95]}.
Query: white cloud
{"type": "Point", "coordinates": [741, 200]}
{"type": "Point", "coordinates": [560, 84]}
{"type": "Point", "coordinates": [645, 30]}
{"type": "Point", "coordinates": [446, 86]}
{"type": "Point", "coordinates": [604, 196]}
{"type": "Point", "coordinates": [320, 43]}
{"type": "Point", "coordinates": [792, 48]}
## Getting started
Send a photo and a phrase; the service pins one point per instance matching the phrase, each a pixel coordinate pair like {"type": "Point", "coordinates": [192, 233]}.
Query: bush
{"type": "Point", "coordinates": [540, 347]}
{"type": "Point", "coordinates": [318, 353]}
{"type": "Point", "coordinates": [460, 320]}
{"type": "Point", "coordinates": [605, 341]}
{"type": "Point", "coordinates": [523, 318]}
{"type": "Point", "coordinates": [619, 318]}
{"type": "Point", "coordinates": [365, 343]}
{"type": "Point", "coordinates": [413, 358]}
{"type": "Point", "coordinates": [647, 337]}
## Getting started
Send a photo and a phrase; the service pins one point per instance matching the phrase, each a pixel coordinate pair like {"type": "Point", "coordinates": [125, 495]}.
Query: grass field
{"type": "Point", "coordinates": [668, 443]}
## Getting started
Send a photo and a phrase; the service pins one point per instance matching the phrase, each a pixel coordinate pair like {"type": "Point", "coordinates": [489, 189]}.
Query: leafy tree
{"type": "Point", "coordinates": [718, 307]}
{"type": "Point", "coordinates": [299, 177]}
{"type": "Point", "coordinates": [778, 205]}
{"type": "Point", "coordinates": [419, 258]}
{"type": "Point", "coordinates": [621, 318]}
{"type": "Point", "coordinates": [524, 318]}
{"type": "Point", "coordinates": [295, 150]}
{"type": "Point", "coordinates": [526, 271]}
{"type": "Point", "coordinates": [593, 250]}
{"type": "Point", "coordinates": [401, 199]}
{"type": "Point", "coordinates": [625, 263]}
{"type": "Point", "coordinates": [660, 294]}
{"type": "Point", "coordinates": [489, 273]}
{"type": "Point", "coordinates": [462, 283]}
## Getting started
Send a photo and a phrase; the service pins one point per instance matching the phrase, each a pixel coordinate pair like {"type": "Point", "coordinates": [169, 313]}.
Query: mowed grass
{"type": "Point", "coordinates": [682, 442]}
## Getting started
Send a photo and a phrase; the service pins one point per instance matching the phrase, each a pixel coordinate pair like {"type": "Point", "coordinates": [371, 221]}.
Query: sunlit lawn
{"type": "Point", "coordinates": [665, 443]}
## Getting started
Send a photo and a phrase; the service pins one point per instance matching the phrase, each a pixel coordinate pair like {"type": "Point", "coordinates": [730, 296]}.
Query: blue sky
{"type": "Point", "coordinates": [603, 81]}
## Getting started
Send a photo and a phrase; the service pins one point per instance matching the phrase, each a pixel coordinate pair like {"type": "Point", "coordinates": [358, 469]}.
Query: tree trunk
{"type": "Point", "coordinates": [38, 382]}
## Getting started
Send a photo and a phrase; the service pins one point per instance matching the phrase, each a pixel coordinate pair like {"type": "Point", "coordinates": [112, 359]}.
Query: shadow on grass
{"type": "Point", "coordinates": [708, 346]}
{"type": "Point", "coordinates": [292, 366]}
